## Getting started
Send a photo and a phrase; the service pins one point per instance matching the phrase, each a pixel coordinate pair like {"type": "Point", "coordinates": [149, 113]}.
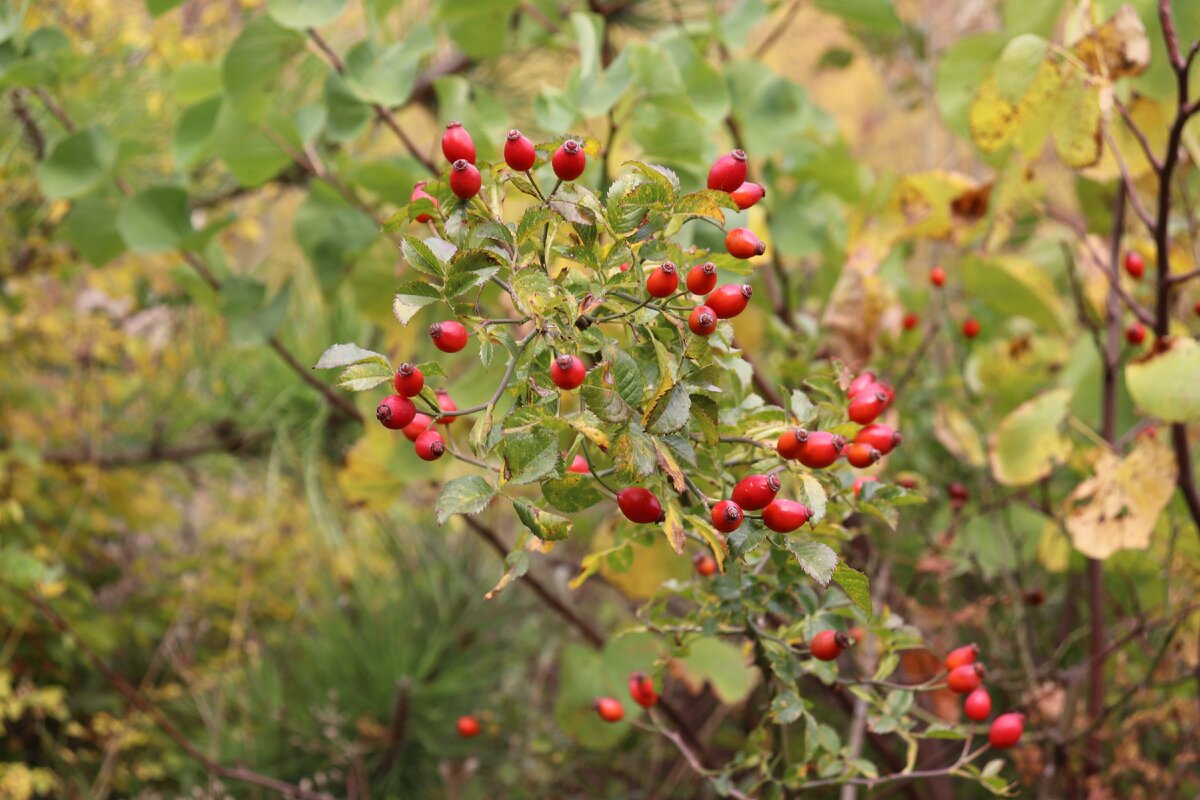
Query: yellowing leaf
{"type": "Point", "coordinates": [673, 528]}
{"type": "Point", "coordinates": [939, 203]}
{"type": "Point", "coordinates": [1117, 508]}
{"type": "Point", "coordinates": [1165, 382]}
{"type": "Point", "coordinates": [1077, 120]}
{"type": "Point", "coordinates": [1117, 48]}
{"type": "Point", "coordinates": [956, 433]}
{"type": "Point", "coordinates": [992, 119]}
{"type": "Point", "coordinates": [1027, 444]}
{"type": "Point", "coordinates": [1150, 117]}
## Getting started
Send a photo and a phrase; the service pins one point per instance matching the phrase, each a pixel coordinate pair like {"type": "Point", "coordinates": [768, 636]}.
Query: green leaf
{"type": "Point", "coordinates": [77, 163]}
{"type": "Point", "coordinates": [572, 494]}
{"type": "Point", "coordinates": [91, 228]}
{"type": "Point", "coordinates": [802, 408]}
{"type": "Point", "coordinates": [159, 7]}
{"type": "Point", "coordinates": [385, 76]}
{"type": "Point", "coordinates": [722, 665]}
{"type": "Point", "coordinates": [468, 495]}
{"type": "Point", "coordinates": [1016, 287]}
{"type": "Point", "coordinates": [531, 455]}
{"type": "Point", "coordinates": [344, 355]}
{"type": "Point", "coordinates": [634, 455]}
{"type": "Point", "coordinates": [20, 568]}
{"type": "Point", "coordinates": [1027, 444]}
{"type": "Point", "coordinates": [252, 319]}
{"type": "Point", "coordinates": [545, 525]}
{"type": "Point", "coordinates": [345, 115]}
{"type": "Point", "coordinates": [332, 234]}
{"type": "Point", "coordinates": [786, 707]}
{"type": "Point", "coordinates": [301, 14]}
{"type": "Point", "coordinates": [254, 62]}
{"type": "Point", "coordinates": [1164, 382]}
{"type": "Point", "coordinates": [855, 585]}
{"type": "Point", "coordinates": [411, 297]}
{"type": "Point", "coordinates": [816, 559]}
{"type": "Point", "coordinates": [421, 257]}
{"type": "Point", "coordinates": [671, 412]}
{"type": "Point", "coordinates": [194, 134]}
{"type": "Point", "coordinates": [601, 398]}
{"type": "Point", "coordinates": [534, 293]}
{"type": "Point", "coordinates": [960, 72]}
{"type": "Point", "coordinates": [582, 677]}
{"type": "Point", "coordinates": [1019, 64]}
{"type": "Point", "coordinates": [469, 269]}
{"type": "Point", "coordinates": [155, 220]}
{"type": "Point", "coordinates": [361, 377]}
{"type": "Point", "coordinates": [875, 16]}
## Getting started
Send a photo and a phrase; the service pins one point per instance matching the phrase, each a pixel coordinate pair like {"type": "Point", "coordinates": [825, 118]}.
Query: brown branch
{"type": "Point", "coordinates": [398, 731]}
{"type": "Point", "coordinates": [778, 31]}
{"type": "Point", "coordinates": [154, 454]}
{"type": "Point", "coordinates": [382, 114]}
{"type": "Point", "coordinates": [690, 755]}
{"type": "Point", "coordinates": [28, 124]}
{"type": "Point", "coordinates": [139, 701]}
{"type": "Point", "coordinates": [1140, 135]}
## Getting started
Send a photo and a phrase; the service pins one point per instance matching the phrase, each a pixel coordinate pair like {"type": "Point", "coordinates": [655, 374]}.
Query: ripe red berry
{"type": "Point", "coordinates": [465, 179]}
{"type": "Point", "coordinates": [937, 276]}
{"type": "Point", "coordinates": [519, 153]}
{"type": "Point", "coordinates": [958, 493]}
{"type": "Point", "coordinates": [430, 446]}
{"type": "Point", "coordinates": [663, 281]}
{"type": "Point", "coordinates": [743, 243]}
{"type": "Point", "coordinates": [446, 405]}
{"type": "Point", "coordinates": [867, 405]}
{"type": "Point", "coordinates": [911, 321]}
{"type": "Point", "coordinates": [747, 195]}
{"type": "Point", "coordinates": [457, 144]}
{"type": "Point", "coordinates": [971, 327]}
{"type": "Point", "coordinates": [640, 505]}
{"type": "Point", "coordinates": [419, 425]}
{"type": "Point", "coordinates": [703, 321]}
{"type": "Point", "coordinates": [419, 192]}
{"type": "Point", "coordinates": [1006, 730]}
{"type": "Point", "coordinates": [755, 492]}
{"type": "Point", "coordinates": [860, 382]}
{"type": "Point", "coordinates": [727, 516]}
{"type": "Point", "coordinates": [791, 442]}
{"type": "Point", "coordinates": [567, 372]}
{"type": "Point", "coordinates": [624, 267]}
{"type": "Point", "coordinates": [821, 449]}
{"type": "Point", "coordinates": [449, 336]}
{"type": "Point", "coordinates": [395, 412]}
{"type": "Point", "coordinates": [408, 381]}
{"type": "Point", "coordinates": [706, 565]}
{"type": "Point", "coordinates": [907, 481]}
{"type": "Point", "coordinates": [467, 727]}
{"type": "Point", "coordinates": [861, 454]}
{"type": "Point", "coordinates": [965, 679]}
{"type": "Point", "coordinates": [569, 160]}
{"type": "Point", "coordinates": [883, 438]}
{"type": "Point", "coordinates": [1196, 308]}
{"type": "Point", "coordinates": [1135, 265]}
{"type": "Point", "coordinates": [702, 278]}
{"type": "Point", "coordinates": [579, 465]}
{"type": "Point", "coordinates": [1135, 334]}
{"type": "Point", "coordinates": [861, 481]}
{"type": "Point", "coordinates": [784, 516]}
{"type": "Point", "coordinates": [728, 172]}
{"type": "Point", "coordinates": [609, 709]}
{"type": "Point", "coordinates": [978, 705]}
{"type": "Point", "coordinates": [960, 656]}
{"type": "Point", "coordinates": [828, 645]}
{"type": "Point", "coordinates": [730, 300]}
{"type": "Point", "coordinates": [641, 689]}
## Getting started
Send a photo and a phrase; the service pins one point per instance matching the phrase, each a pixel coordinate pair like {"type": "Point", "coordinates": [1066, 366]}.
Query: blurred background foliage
{"type": "Point", "coordinates": [268, 571]}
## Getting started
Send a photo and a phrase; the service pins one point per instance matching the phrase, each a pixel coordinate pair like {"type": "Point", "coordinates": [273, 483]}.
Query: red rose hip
{"type": "Point", "coordinates": [1135, 265]}
{"type": "Point", "coordinates": [519, 152]}
{"type": "Point", "coordinates": [449, 336]}
{"type": "Point", "coordinates": [730, 300]}
{"type": "Point", "coordinates": [785, 516]}
{"type": "Point", "coordinates": [408, 381]}
{"type": "Point", "coordinates": [579, 465]}
{"type": "Point", "coordinates": [755, 492]}
{"type": "Point", "coordinates": [418, 193]}
{"type": "Point", "coordinates": [641, 689]}
{"type": "Point", "coordinates": [978, 705]}
{"type": "Point", "coordinates": [430, 446]}
{"type": "Point", "coordinates": [706, 565]}
{"type": "Point", "coordinates": [791, 442]}
{"type": "Point", "coordinates": [1006, 730]}
{"type": "Point", "coordinates": [609, 709]}
{"type": "Point", "coordinates": [447, 405]}
{"type": "Point", "coordinates": [861, 454]}
{"type": "Point", "coordinates": [569, 160]}
{"type": "Point", "coordinates": [419, 425]}
{"type": "Point", "coordinates": [828, 645]}
{"type": "Point", "coordinates": [727, 516]}
{"type": "Point", "coordinates": [663, 281]}
{"type": "Point", "coordinates": [702, 278]}
{"type": "Point", "coordinates": [971, 327]}
{"type": "Point", "coordinates": [867, 405]}
{"type": "Point", "coordinates": [965, 679]}
{"type": "Point", "coordinates": [457, 144]}
{"type": "Point", "coordinates": [567, 372]}
{"type": "Point", "coordinates": [747, 195]}
{"type": "Point", "coordinates": [467, 726]}
{"type": "Point", "coordinates": [702, 321]}
{"type": "Point", "coordinates": [1135, 334]}
{"type": "Point", "coordinates": [743, 243]}
{"type": "Point", "coordinates": [883, 438]}
{"type": "Point", "coordinates": [640, 505]}
{"type": "Point", "coordinates": [937, 276]}
{"type": "Point", "coordinates": [728, 172]}
{"type": "Point", "coordinates": [395, 412]}
{"type": "Point", "coordinates": [821, 449]}
{"type": "Point", "coordinates": [465, 179]}
{"type": "Point", "coordinates": [962, 655]}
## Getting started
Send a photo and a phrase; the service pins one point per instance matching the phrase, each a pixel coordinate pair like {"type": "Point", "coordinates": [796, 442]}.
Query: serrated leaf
{"type": "Point", "coordinates": [706, 203]}
{"type": "Point", "coordinates": [361, 377]}
{"type": "Point", "coordinates": [591, 427]}
{"type": "Point", "coordinates": [671, 412]}
{"type": "Point", "coordinates": [802, 408]}
{"type": "Point", "coordinates": [534, 292]}
{"type": "Point", "coordinates": [468, 495]}
{"type": "Point", "coordinates": [469, 269]}
{"type": "Point", "coordinates": [668, 464]}
{"type": "Point", "coordinates": [716, 542]}
{"type": "Point", "coordinates": [813, 495]}
{"type": "Point", "coordinates": [531, 455]}
{"type": "Point", "coordinates": [601, 397]}
{"type": "Point", "coordinates": [532, 222]}
{"type": "Point", "coordinates": [786, 707]}
{"type": "Point", "coordinates": [543, 524]}
{"type": "Point", "coordinates": [672, 526]}
{"type": "Point", "coordinates": [628, 379]}
{"type": "Point", "coordinates": [855, 585]}
{"type": "Point", "coordinates": [344, 355]}
{"type": "Point", "coordinates": [419, 256]}
{"type": "Point", "coordinates": [411, 297]}
{"type": "Point", "coordinates": [573, 493]}
{"type": "Point", "coordinates": [634, 455]}
{"type": "Point", "coordinates": [747, 537]}
{"type": "Point", "coordinates": [816, 559]}
{"type": "Point", "coordinates": [1076, 128]}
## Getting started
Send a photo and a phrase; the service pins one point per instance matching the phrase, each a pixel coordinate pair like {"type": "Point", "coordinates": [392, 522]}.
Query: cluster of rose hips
{"type": "Point", "coordinates": [965, 676]}
{"type": "Point", "coordinates": [397, 411]}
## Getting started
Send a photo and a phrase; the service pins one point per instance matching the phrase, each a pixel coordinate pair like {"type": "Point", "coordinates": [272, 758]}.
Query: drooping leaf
{"type": "Point", "coordinates": [817, 559]}
{"type": "Point", "coordinates": [467, 495]}
{"type": "Point", "coordinates": [1164, 382]}
{"type": "Point", "coordinates": [855, 585]}
{"type": "Point", "coordinates": [543, 524]}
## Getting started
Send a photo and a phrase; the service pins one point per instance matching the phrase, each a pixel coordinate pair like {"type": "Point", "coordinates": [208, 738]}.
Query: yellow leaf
{"type": "Point", "coordinates": [1117, 48]}
{"type": "Point", "coordinates": [1077, 120]}
{"type": "Point", "coordinates": [1117, 508]}
{"type": "Point", "coordinates": [672, 526]}
{"type": "Point", "coordinates": [1027, 443]}
{"type": "Point", "coordinates": [958, 435]}
{"type": "Point", "coordinates": [992, 119]}
{"type": "Point", "coordinates": [1150, 118]}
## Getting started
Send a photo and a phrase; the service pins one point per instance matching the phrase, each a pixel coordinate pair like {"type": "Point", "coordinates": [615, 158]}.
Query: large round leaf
{"type": "Point", "coordinates": [1027, 444]}
{"type": "Point", "coordinates": [301, 14]}
{"type": "Point", "coordinates": [155, 220]}
{"type": "Point", "coordinates": [1166, 382]}
{"type": "Point", "coordinates": [77, 163]}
